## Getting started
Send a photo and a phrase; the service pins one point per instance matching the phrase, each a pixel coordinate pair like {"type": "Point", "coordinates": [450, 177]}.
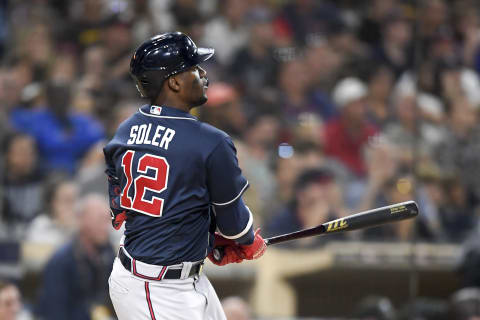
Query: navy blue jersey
{"type": "Point", "coordinates": [167, 170]}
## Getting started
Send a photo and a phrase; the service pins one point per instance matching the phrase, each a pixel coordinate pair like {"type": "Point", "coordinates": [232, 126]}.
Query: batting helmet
{"type": "Point", "coordinates": [161, 57]}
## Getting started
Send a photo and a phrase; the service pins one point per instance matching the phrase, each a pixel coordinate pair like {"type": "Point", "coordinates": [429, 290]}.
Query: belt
{"type": "Point", "coordinates": [164, 272]}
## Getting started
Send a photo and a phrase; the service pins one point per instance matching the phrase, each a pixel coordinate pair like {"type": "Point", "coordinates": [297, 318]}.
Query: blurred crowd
{"type": "Point", "coordinates": [334, 107]}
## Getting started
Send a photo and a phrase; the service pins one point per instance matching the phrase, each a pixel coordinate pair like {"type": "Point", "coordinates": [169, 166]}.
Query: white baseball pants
{"type": "Point", "coordinates": [138, 299]}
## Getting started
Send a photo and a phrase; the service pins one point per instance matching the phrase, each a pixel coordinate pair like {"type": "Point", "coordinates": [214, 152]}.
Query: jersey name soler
{"type": "Point", "coordinates": [143, 134]}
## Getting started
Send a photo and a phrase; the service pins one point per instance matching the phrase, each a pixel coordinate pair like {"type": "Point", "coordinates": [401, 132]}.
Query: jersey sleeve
{"type": "Point", "coordinates": [224, 178]}
{"type": "Point", "coordinates": [226, 186]}
{"type": "Point", "coordinates": [118, 214]}
{"type": "Point", "coordinates": [235, 222]}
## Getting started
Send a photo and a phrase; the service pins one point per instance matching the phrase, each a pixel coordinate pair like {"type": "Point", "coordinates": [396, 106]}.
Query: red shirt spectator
{"type": "Point", "coordinates": [347, 147]}
{"type": "Point", "coordinates": [346, 136]}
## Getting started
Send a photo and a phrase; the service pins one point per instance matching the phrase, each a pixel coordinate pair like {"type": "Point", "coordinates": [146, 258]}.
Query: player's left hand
{"type": "Point", "coordinates": [231, 254]}
{"type": "Point", "coordinates": [230, 249]}
{"type": "Point", "coordinates": [256, 249]}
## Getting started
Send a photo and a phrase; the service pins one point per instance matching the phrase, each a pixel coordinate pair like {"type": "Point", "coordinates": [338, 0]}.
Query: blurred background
{"type": "Point", "coordinates": [334, 106]}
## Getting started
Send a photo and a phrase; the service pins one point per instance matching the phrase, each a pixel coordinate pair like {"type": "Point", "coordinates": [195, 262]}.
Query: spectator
{"type": "Point", "coordinates": [467, 23]}
{"type": "Point", "coordinates": [310, 128]}
{"type": "Point", "coordinates": [355, 55]}
{"type": "Point", "coordinates": [375, 308]}
{"type": "Point", "coordinates": [22, 183]}
{"type": "Point", "coordinates": [63, 137]}
{"type": "Point", "coordinates": [254, 65]}
{"type": "Point", "coordinates": [370, 30]}
{"type": "Point", "coordinates": [300, 21]}
{"type": "Point", "coordinates": [227, 32]}
{"type": "Point", "coordinates": [465, 304]}
{"type": "Point", "coordinates": [255, 156]}
{"type": "Point", "coordinates": [57, 222]}
{"type": "Point", "coordinates": [423, 86]}
{"type": "Point", "coordinates": [458, 215]}
{"type": "Point", "coordinates": [458, 152]}
{"type": "Point", "coordinates": [117, 40]}
{"type": "Point", "coordinates": [295, 96]}
{"type": "Point", "coordinates": [470, 261]}
{"type": "Point", "coordinates": [393, 50]}
{"type": "Point", "coordinates": [16, 77]}
{"type": "Point", "coordinates": [323, 65]}
{"type": "Point", "coordinates": [224, 109]}
{"type": "Point", "coordinates": [39, 36]}
{"type": "Point", "coordinates": [94, 64]}
{"type": "Point", "coordinates": [89, 173]}
{"type": "Point", "coordinates": [347, 136]}
{"type": "Point", "coordinates": [434, 15]}
{"type": "Point", "coordinates": [380, 85]}
{"type": "Point", "coordinates": [313, 202]}
{"type": "Point", "coordinates": [75, 279]}
{"type": "Point", "coordinates": [236, 308]}
{"type": "Point", "coordinates": [309, 155]}
{"type": "Point", "coordinates": [11, 306]}
{"type": "Point", "coordinates": [382, 165]}
{"type": "Point", "coordinates": [143, 25]}
{"type": "Point", "coordinates": [86, 19]}
{"type": "Point", "coordinates": [286, 168]}
{"type": "Point", "coordinates": [407, 132]}
{"type": "Point", "coordinates": [121, 112]}
{"type": "Point", "coordinates": [65, 68]}
{"type": "Point", "coordinates": [425, 309]}
{"type": "Point", "coordinates": [431, 199]}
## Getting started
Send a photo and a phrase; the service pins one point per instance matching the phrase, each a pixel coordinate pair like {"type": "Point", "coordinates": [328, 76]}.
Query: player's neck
{"type": "Point", "coordinates": [173, 103]}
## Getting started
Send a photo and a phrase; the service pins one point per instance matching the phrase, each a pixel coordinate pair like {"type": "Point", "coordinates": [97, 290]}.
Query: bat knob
{"type": "Point", "coordinates": [218, 254]}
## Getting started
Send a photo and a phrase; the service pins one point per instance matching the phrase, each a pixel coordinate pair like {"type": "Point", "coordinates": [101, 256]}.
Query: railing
{"type": "Point", "coordinates": [329, 281]}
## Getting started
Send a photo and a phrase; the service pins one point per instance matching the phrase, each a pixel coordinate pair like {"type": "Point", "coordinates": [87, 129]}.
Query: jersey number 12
{"type": "Point", "coordinates": [142, 183]}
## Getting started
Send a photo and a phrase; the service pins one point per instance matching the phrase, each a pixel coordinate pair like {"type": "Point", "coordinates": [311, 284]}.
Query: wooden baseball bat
{"type": "Point", "coordinates": [365, 219]}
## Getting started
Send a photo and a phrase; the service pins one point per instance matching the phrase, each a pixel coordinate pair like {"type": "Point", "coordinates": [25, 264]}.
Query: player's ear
{"type": "Point", "coordinates": [173, 83]}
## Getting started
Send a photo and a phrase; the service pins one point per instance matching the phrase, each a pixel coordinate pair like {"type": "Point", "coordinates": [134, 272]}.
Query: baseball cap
{"type": "Point", "coordinates": [349, 90]}
{"type": "Point", "coordinates": [320, 175]}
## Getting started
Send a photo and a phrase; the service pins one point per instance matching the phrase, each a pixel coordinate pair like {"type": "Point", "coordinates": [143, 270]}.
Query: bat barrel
{"type": "Point", "coordinates": [366, 219]}
{"type": "Point", "coordinates": [375, 217]}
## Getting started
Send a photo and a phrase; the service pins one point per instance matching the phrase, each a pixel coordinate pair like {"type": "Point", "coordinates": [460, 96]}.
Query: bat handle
{"type": "Point", "coordinates": [219, 252]}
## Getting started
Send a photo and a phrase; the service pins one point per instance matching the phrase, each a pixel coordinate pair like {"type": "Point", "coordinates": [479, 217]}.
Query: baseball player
{"type": "Point", "coordinates": [175, 181]}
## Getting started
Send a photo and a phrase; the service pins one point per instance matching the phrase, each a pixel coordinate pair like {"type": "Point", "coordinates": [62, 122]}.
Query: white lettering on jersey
{"type": "Point", "coordinates": [146, 141]}
{"type": "Point", "coordinates": [157, 135]}
{"type": "Point", "coordinates": [167, 137]}
{"type": "Point", "coordinates": [141, 135]}
{"type": "Point", "coordinates": [133, 134]}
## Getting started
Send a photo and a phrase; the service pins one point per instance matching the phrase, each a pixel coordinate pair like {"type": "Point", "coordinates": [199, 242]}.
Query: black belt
{"type": "Point", "coordinates": [166, 273]}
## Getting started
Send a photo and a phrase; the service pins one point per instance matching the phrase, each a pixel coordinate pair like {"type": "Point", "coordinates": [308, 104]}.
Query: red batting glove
{"type": "Point", "coordinates": [254, 250]}
{"type": "Point", "coordinates": [232, 252]}
{"type": "Point", "coordinates": [231, 255]}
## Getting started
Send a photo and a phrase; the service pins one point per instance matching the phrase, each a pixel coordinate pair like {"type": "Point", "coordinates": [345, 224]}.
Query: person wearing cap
{"type": "Point", "coordinates": [174, 181]}
{"type": "Point", "coordinates": [312, 203]}
{"type": "Point", "coordinates": [347, 135]}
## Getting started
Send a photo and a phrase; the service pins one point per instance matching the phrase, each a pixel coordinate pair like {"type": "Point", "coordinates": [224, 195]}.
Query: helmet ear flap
{"type": "Point", "coordinates": [139, 84]}
{"type": "Point", "coordinates": [144, 80]}
{"type": "Point", "coordinates": [148, 84]}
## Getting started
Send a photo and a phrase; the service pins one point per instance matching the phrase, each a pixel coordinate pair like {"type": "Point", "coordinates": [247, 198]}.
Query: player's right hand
{"type": "Point", "coordinates": [254, 250]}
